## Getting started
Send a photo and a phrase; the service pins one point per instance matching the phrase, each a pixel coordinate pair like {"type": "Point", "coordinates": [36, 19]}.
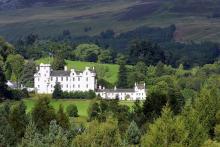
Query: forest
{"type": "Point", "coordinates": [181, 108]}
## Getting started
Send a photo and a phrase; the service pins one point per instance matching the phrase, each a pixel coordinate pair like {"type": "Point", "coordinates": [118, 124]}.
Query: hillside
{"type": "Point", "coordinates": [195, 20]}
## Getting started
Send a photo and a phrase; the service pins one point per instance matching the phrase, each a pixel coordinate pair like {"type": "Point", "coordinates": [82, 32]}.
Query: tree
{"type": "Point", "coordinates": [106, 134]}
{"type": "Point", "coordinates": [166, 131]}
{"type": "Point", "coordinates": [122, 76]}
{"type": "Point", "coordinates": [5, 49]}
{"type": "Point", "coordinates": [28, 74]}
{"type": "Point", "coordinates": [43, 114]}
{"type": "Point", "coordinates": [18, 119]}
{"type": "Point", "coordinates": [133, 134]}
{"type": "Point", "coordinates": [87, 52]}
{"type": "Point", "coordinates": [217, 126]}
{"type": "Point", "coordinates": [147, 52]}
{"type": "Point", "coordinates": [58, 62]}
{"type": "Point", "coordinates": [31, 137]}
{"type": "Point", "coordinates": [72, 110]}
{"type": "Point", "coordinates": [7, 134]}
{"type": "Point", "coordinates": [105, 57]}
{"type": "Point", "coordinates": [17, 64]}
{"type": "Point", "coordinates": [57, 93]}
{"type": "Point", "coordinates": [4, 92]}
{"type": "Point", "coordinates": [62, 118]}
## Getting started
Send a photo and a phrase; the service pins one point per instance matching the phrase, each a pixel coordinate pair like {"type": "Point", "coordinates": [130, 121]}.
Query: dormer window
{"type": "Point", "coordinates": [73, 79]}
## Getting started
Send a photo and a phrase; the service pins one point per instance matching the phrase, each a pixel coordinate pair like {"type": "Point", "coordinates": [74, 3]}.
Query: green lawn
{"type": "Point", "coordinates": [110, 74]}
{"type": "Point", "coordinates": [82, 105]}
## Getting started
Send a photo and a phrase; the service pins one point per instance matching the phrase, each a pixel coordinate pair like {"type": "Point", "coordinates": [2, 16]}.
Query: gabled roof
{"type": "Point", "coordinates": [59, 73]}
{"type": "Point", "coordinates": [115, 90]}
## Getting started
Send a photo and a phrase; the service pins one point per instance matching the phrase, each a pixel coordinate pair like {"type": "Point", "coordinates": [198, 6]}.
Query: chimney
{"type": "Point", "coordinates": [65, 68]}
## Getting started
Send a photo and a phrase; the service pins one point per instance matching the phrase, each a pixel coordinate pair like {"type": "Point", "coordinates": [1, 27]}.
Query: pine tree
{"type": "Point", "coordinates": [58, 62]}
{"type": "Point", "coordinates": [57, 93]}
{"type": "Point", "coordinates": [42, 114]}
{"type": "Point", "coordinates": [122, 76]}
{"type": "Point", "coordinates": [7, 134]}
{"type": "Point", "coordinates": [62, 118]}
{"type": "Point", "coordinates": [4, 93]}
{"type": "Point", "coordinates": [31, 137]}
{"type": "Point", "coordinates": [133, 134]}
{"type": "Point", "coordinates": [166, 131]}
{"type": "Point", "coordinates": [18, 119]}
{"type": "Point", "coordinates": [28, 74]}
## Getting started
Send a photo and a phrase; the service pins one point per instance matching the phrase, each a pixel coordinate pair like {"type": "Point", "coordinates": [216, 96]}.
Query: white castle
{"type": "Point", "coordinates": [72, 80]}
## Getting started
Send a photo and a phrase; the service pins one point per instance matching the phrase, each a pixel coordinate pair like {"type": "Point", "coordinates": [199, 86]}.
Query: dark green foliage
{"type": "Point", "coordinates": [146, 52]}
{"type": "Point", "coordinates": [57, 93]}
{"type": "Point", "coordinates": [28, 74]}
{"type": "Point", "coordinates": [78, 95]}
{"type": "Point", "coordinates": [4, 92]}
{"type": "Point", "coordinates": [43, 114]}
{"type": "Point", "coordinates": [18, 119]}
{"type": "Point", "coordinates": [7, 133]}
{"type": "Point", "coordinates": [18, 94]}
{"type": "Point", "coordinates": [122, 76]}
{"type": "Point", "coordinates": [72, 110]}
{"type": "Point", "coordinates": [133, 134]}
{"type": "Point", "coordinates": [58, 62]}
{"type": "Point", "coordinates": [62, 118]}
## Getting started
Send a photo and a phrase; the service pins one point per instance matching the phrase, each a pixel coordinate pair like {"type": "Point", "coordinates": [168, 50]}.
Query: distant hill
{"type": "Point", "coordinates": [196, 20]}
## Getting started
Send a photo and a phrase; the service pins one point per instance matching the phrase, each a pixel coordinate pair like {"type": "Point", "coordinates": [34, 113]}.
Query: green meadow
{"type": "Point", "coordinates": [82, 105]}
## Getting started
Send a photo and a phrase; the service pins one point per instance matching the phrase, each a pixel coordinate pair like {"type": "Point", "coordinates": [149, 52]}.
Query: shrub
{"type": "Point", "coordinates": [78, 95]}
{"type": "Point", "coordinates": [72, 110]}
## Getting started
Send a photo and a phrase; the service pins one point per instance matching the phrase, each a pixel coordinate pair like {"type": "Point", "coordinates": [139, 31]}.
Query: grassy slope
{"type": "Point", "coordinates": [49, 21]}
{"type": "Point", "coordinates": [111, 76]}
{"type": "Point", "coordinates": [82, 105]}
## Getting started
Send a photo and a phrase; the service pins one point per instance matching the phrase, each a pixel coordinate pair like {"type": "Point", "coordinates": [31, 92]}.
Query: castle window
{"type": "Point", "coordinates": [51, 78]}
{"type": "Point", "coordinates": [66, 86]}
{"type": "Point", "coordinates": [66, 78]}
{"type": "Point", "coordinates": [87, 79]}
{"type": "Point", "coordinates": [86, 73]}
{"type": "Point", "coordinates": [87, 85]}
{"type": "Point", "coordinates": [73, 85]}
{"type": "Point", "coordinates": [78, 86]}
{"type": "Point", "coordinates": [61, 78]}
{"type": "Point", "coordinates": [51, 86]}
{"type": "Point", "coordinates": [56, 79]}
{"type": "Point", "coordinates": [78, 78]}
{"type": "Point", "coordinates": [38, 86]}
{"type": "Point", "coordinates": [73, 79]}
{"type": "Point", "coordinates": [38, 79]}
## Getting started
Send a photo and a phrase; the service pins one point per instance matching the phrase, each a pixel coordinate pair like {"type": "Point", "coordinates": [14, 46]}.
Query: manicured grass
{"type": "Point", "coordinates": [110, 75]}
{"type": "Point", "coordinates": [82, 105]}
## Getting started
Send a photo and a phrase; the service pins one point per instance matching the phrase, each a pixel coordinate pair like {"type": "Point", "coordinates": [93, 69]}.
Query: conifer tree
{"type": "Point", "coordinates": [62, 118]}
{"type": "Point", "coordinates": [133, 134]}
{"type": "Point", "coordinates": [18, 119]}
{"type": "Point", "coordinates": [122, 76]}
{"type": "Point", "coordinates": [57, 93]}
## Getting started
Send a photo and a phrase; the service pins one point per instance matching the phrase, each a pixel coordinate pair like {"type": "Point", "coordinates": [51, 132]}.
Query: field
{"type": "Point", "coordinates": [82, 105]}
{"type": "Point", "coordinates": [110, 75]}
{"type": "Point", "coordinates": [119, 15]}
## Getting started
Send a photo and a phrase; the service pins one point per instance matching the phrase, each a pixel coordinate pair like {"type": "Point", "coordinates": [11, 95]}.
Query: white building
{"type": "Point", "coordinates": [46, 78]}
{"type": "Point", "coordinates": [137, 93]}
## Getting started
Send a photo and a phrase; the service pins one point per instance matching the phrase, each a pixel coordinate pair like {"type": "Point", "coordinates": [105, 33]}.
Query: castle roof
{"type": "Point", "coordinates": [116, 90]}
{"type": "Point", "coordinates": [57, 73]}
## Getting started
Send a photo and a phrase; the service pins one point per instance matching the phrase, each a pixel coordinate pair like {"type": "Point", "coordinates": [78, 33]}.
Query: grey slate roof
{"type": "Point", "coordinates": [59, 73]}
{"type": "Point", "coordinates": [115, 90]}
